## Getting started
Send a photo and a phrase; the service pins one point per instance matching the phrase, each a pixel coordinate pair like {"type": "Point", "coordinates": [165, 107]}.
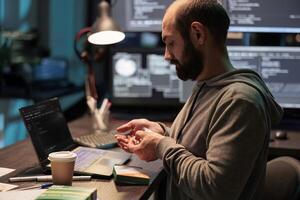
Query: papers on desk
{"type": "Point", "coordinates": [4, 171]}
{"type": "Point", "coordinates": [5, 187]}
{"type": "Point", "coordinates": [21, 194]}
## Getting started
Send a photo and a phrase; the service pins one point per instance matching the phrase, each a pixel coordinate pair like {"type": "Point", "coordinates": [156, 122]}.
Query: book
{"type": "Point", "coordinates": [68, 193]}
{"type": "Point", "coordinates": [131, 175]}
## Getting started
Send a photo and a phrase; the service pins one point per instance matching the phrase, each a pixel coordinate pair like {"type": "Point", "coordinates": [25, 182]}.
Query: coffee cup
{"type": "Point", "coordinates": [62, 167]}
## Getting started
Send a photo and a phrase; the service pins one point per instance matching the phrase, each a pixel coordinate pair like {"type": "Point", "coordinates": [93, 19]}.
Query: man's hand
{"type": "Point", "coordinates": [140, 124]}
{"type": "Point", "coordinates": [142, 143]}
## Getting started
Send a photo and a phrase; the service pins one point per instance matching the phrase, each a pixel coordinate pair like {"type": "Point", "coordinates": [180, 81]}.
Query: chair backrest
{"type": "Point", "coordinates": [282, 179]}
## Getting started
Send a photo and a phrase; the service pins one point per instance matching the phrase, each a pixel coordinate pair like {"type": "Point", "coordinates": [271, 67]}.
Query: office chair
{"type": "Point", "coordinates": [282, 179]}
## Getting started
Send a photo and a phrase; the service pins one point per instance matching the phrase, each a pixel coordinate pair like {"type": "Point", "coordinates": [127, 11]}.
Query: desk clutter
{"type": "Point", "coordinates": [49, 134]}
{"type": "Point", "coordinates": [54, 192]}
{"type": "Point", "coordinates": [68, 193]}
{"type": "Point", "coordinates": [122, 175]}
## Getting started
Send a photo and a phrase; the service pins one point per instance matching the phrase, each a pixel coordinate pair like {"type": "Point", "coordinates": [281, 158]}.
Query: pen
{"type": "Point", "coordinates": [45, 178]}
{"type": "Point", "coordinates": [43, 186]}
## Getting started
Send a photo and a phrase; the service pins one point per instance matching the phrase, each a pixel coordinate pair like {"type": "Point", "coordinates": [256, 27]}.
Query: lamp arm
{"type": "Point", "coordinates": [92, 82]}
{"type": "Point", "coordinates": [85, 58]}
{"type": "Point", "coordinates": [79, 35]}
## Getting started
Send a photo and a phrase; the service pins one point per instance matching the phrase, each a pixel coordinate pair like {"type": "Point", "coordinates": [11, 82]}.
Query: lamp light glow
{"type": "Point", "coordinates": [106, 37]}
{"type": "Point", "coordinates": [105, 30]}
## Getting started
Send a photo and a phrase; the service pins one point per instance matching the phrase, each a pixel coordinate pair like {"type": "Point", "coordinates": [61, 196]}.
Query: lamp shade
{"type": "Point", "coordinates": [105, 30]}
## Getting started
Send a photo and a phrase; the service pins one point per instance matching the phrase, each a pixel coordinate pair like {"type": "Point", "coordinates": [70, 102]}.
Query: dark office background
{"type": "Point", "coordinates": [31, 30]}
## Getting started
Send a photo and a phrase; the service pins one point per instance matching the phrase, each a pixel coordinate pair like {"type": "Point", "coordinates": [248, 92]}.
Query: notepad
{"type": "Point", "coordinates": [68, 193]}
{"type": "Point", "coordinates": [130, 175]}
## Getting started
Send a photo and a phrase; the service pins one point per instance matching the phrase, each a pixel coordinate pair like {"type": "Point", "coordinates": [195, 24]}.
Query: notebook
{"type": "Point", "coordinates": [49, 132]}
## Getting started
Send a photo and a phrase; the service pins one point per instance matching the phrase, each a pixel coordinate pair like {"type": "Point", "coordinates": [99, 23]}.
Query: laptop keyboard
{"type": "Point", "coordinates": [102, 140]}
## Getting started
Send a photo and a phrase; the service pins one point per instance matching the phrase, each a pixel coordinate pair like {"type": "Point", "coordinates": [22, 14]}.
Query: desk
{"type": "Point", "coordinates": [288, 147]}
{"type": "Point", "coordinates": [21, 156]}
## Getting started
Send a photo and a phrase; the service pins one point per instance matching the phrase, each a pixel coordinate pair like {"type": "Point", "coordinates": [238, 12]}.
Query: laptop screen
{"type": "Point", "coordinates": [51, 69]}
{"type": "Point", "coordinates": [47, 128]}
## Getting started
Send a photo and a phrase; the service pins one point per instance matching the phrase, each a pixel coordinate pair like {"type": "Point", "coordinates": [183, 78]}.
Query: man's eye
{"type": "Point", "coordinates": [170, 44]}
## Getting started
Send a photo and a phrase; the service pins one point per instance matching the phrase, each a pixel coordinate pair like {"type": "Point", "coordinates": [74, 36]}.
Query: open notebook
{"type": "Point", "coordinates": [49, 132]}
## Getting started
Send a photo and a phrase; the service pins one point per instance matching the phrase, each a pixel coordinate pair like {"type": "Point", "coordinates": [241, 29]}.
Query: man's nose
{"type": "Point", "coordinates": [167, 55]}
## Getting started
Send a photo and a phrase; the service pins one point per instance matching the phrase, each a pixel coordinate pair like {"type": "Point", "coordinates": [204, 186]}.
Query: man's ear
{"type": "Point", "coordinates": [198, 34]}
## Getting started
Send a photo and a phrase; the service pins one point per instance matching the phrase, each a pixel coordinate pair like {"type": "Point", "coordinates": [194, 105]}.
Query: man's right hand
{"type": "Point", "coordinates": [140, 124]}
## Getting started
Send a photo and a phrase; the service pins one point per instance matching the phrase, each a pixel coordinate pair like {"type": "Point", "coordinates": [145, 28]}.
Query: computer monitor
{"type": "Point", "coordinates": [50, 69]}
{"type": "Point", "coordinates": [263, 15]}
{"type": "Point", "coordinates": [278, 66]}
{"type": "Point", "coordinates": [280, 69]}
{"type": "Point", "coordinates": [134, 15]}
{"type": "Point", "coordinates": [246, 16]}
{"type": "Point", "coordinates": [143, 79]}
{"type": "Point", "coordinates": [257, 21]}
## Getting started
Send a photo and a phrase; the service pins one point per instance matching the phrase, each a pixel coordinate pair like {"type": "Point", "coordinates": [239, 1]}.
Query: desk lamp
{"type": "Point", "coordinates": [103, 32]}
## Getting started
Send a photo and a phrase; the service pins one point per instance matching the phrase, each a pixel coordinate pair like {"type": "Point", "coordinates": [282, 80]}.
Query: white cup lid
{"type": "Point", "coordinates": [62, 156]}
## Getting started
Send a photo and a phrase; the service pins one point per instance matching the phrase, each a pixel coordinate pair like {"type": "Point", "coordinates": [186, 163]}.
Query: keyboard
{"type": "Point", "coordinates": [101, 140]}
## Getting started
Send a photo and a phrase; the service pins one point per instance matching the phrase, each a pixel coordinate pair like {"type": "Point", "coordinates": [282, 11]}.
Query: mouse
{"type": "Point", "coordinates": [280, 135]}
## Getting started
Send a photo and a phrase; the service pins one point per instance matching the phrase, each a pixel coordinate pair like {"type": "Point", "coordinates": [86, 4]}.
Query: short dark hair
{"type": "Point", "coordinates": [208, 12]}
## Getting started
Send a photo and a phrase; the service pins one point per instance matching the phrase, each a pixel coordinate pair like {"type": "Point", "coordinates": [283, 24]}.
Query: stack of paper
{"type": "Point", "coordinates": [69, 193]}
{"type": "Point", "coordinates": [130, 175]}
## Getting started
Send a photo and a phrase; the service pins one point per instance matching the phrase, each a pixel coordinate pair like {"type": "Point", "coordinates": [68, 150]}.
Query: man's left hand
{"type": "Point", "coordinates": [143, 144]}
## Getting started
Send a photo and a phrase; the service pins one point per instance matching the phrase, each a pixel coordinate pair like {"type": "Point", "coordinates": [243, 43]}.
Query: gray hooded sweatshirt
{"type": "Point", "coordinates": [218, 144]}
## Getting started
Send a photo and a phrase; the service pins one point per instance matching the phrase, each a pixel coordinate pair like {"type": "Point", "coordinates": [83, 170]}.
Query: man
{"type": "Point", "coordinates": [217, 146]}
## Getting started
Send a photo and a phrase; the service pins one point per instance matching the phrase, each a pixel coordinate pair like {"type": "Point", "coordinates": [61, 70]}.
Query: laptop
{"type": "Point", "coordinates": [49, 132]}
{"type": "Point", "coordinates": [51, 73]}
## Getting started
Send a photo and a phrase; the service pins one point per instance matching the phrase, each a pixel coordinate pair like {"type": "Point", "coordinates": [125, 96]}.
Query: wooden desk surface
{"type": "Point", "coordinates": [287, 147]}
{"type": "Point", "coordinates": [22, 156]}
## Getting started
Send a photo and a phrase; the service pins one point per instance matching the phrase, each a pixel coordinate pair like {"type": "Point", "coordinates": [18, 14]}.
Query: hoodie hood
{"type": "Point", "coordinates": [252, 79]}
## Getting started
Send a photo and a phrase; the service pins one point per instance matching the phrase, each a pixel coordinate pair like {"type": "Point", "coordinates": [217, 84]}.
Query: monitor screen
{"type": "Point", "coordinates": [263, 15]}
{"type": "Point", "coordinates": [50, 69]}
{"type": "Point", "coordinates": [245, 15]}
{"type": "Point", "coordinates": [140, 15]}
{"type": "Point", "coordinates": [144, 85]}
{"type": "Point", "coordinates": [47, 127]}
{"type": "Point", "coordinates": [144, 78]}
{"type": "Point", "coordinates": [278, 66]}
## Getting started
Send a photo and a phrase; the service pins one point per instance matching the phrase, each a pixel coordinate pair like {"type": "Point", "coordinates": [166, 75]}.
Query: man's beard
{"type": "Point", "coordinates": [192, 63]}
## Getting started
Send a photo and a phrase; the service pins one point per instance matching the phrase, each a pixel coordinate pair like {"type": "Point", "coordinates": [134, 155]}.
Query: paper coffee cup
{"type": "Point", "coordinates": [62, 167]}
